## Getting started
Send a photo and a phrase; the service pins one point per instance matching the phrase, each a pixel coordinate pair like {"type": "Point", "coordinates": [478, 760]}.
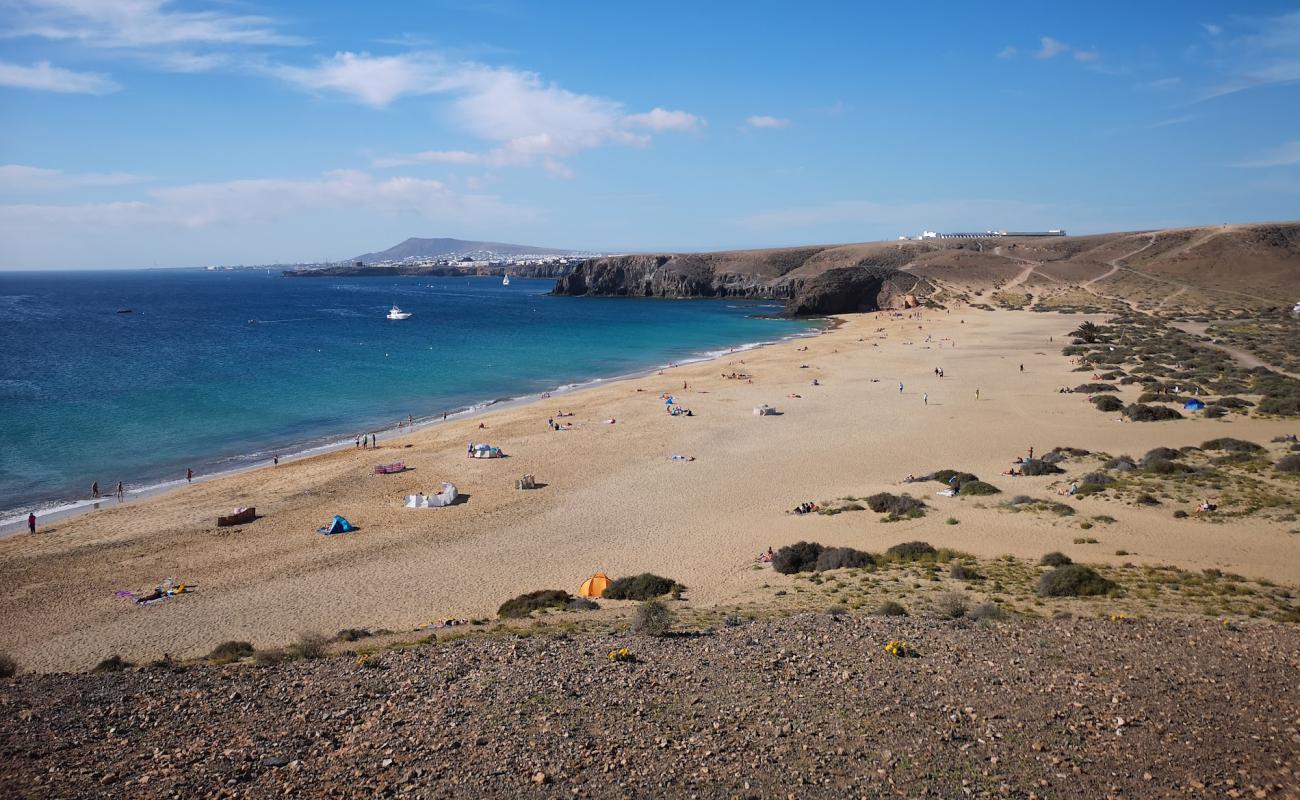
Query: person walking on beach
{"type": "Point", "coordinates": [31, 522]}
{"type": "Point", "coordinates": [275, 460]}
{"type": "Point", "coordinates": [977, 394]}
{"type": "Point", "coordinates": [1022, 367]}
{"type": "Point", "coordinates": [189, 475]}
{"type": "Point", "coordinates": [356, 442]}
{"type": "Point", "coordinates": [925, 397]}
{"type": "Point", "coordinates": [900, 387]}
{"type": "Point", "coordinates": [121, 490]}
{"type": "Point", "coordinates": [94, 489]}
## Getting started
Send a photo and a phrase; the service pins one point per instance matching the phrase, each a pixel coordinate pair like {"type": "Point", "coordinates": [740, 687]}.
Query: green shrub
{"type": "Point", "coordinates": [912, 551]}
{"type": "Point", "coordinates": [978, 489]}
{"type": "Point", "coordinates": [8, 667]}
{"type": "Point", "coordinates": [893, 504]}
{"type": "Point", "coordinates": [1107, 403]}
{"type": "Point", "coordinates": [268, 658]}
{"type": "Point", "coordinates": [309, 646]}
{"type": "Point", "coordinates": [842, 558]}
{"type": "Point", "coordinates": [645, 586]}
{"type": "Point", "coordinates": [1180, 514]}
{"type": "Point", "coordinates": [962, 572]}
{"type": "Point", "coordinates": [1289, 464]}
{"type": "Point", "coordinates": [1232, 445]}
{"type": "Point", "coordinates": [113, 663]}
{"type": "Point", "coordinates": [1073, 580]}
{"type": "Point", "coordinates": [582, 604]}
{"type": "Point", "coordinates": [652, 618]}
{"type": "Point", "coordinates": [525, 604]}
{"type": "Point", "coordinates": [890, 609]}
{"type": "Point", "coordinates": [799, 557]}
{"type": "Point", "coordinates": [1138, 412]}
{"type": "Point", "coordinates": [230, 652]}
{"type": "Point", "coordinates": [1036, 466]}
{"type": "Point", "coordinates": [1093, 388]}
{"type": "Point", "coordinates": [1055, 559]}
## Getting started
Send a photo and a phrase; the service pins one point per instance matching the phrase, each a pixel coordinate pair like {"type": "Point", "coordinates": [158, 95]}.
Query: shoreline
{"type": "Point", "coordinates": [51, 511]}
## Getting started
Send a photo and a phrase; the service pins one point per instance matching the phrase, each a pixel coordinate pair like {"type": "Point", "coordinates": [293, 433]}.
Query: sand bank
{"type": "Point", "coordinates": [614, 501]}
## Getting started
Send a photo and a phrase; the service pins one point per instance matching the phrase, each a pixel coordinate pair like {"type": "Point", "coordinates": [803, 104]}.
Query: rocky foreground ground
{"type": "Point", "coordinates": [808, 706]}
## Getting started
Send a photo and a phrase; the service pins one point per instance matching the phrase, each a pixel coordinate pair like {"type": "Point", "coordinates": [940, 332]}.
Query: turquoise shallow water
{"type": "Point", "coordinates": [217, 370]}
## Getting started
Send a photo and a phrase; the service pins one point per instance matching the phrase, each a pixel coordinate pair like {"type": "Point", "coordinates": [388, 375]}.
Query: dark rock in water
{"type": "Point", "coordinates": [125, 311]}
{"type": "Point", "coordinates": [863, 288]}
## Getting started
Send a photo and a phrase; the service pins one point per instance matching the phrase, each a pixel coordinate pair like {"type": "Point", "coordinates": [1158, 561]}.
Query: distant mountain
{"type": "Point", "coordinates": [432, 248]}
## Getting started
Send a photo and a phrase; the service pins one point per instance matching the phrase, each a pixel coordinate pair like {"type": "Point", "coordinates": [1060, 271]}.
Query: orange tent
{"type": "Point", "coordinates": [595, 586]}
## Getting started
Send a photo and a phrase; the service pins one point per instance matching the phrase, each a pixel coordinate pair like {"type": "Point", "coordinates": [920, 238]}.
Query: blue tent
{"type": "Point", "coordinates": [337, 525]}
{"type": "Point", "coordinates": [1193, 405]}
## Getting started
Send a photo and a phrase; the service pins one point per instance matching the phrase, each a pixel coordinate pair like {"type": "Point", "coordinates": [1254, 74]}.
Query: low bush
{"type": "Point", "coordinates": [912, 551]}
{"type": "Point", "coordinates": [645, 586]}
{"type": "Point", "coordinates": [582, 604]}
{"type": "Point", "coordinates": [1160, 454]}
{"type": "Point", "coordinates": [352, 635]}
{"type": "Point", "coordinates": [1036, 466]}
{"type": "Point", "coordinates": [525, 604]}
{"type": "Point", "coordinates": [1121, 463]}
{"type": "Point", "coordinates": [1107, 403]}
{"type": "Point", "coordinates": [842, 558]}
{"type": "Point", "coordinates": [1145, 499]}
{"type": "Point", "coordinates": [894, 504]}
{"type": "Point", "coordinates": [986, 611]}
{"type": "Point", "coordinates": [962, 572]}
{"type": "Point", "coordinates": [652, 618]}
{"type": "Point", "coordinates": [113, 663]}
{"type": "Point", "coordinates": [1139, 412]}
{"type": "Point", "coordinates": [1180, 514]}
{"type": "Point", "coordinates": [309, 646]}
{"type": "Point", "coordinates": [1162, 467]}
{"type": "Point", "coordinates": [799, 557]}
{"type": "Point", "coordinates": [1234, 403]}
{"type": "Point", "coordinates": [978, 489]}
{"type": "Point", "coordinates": [1055, 559]}
{"type": "Point", "coordinates": [1290, 464]}
{"type": "Point", "coordinates": [1232, 445]}
{"type": "Point", "coordinates": [1093, 388]}
{"type": "Point", "coordinates": [890, 609]}
{"type": "Point", "coordinates": [230, 652]}
{"type": "Point", "coordinates": [950, 605]}
{"type": "Point", "coordinates": [8, 667]}
{"type": "Point", "coordinates": [268, 658]}
{"type": "Point", "coordinates": [1073, 580]}
{"type": "Point", "coordinates": [1099, 478]}
{"type": "Point", "coordinates": [1077, 452]}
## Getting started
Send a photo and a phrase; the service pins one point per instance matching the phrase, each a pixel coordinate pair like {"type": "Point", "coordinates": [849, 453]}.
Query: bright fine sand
{"type": "Point", "coordinates": [613, 500]}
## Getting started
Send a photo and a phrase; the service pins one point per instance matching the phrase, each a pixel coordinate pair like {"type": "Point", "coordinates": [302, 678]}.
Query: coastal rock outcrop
{"type": "Point", "coordinates": [690, 275]}
{"type": "Point", "coordinates": [863, 288]}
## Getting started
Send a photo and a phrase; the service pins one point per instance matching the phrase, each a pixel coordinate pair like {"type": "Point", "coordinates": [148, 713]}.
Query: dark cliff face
{"type": "Point", "coordinates": [662, 276]}
{"type": "Point", "coordinates": [850, 289]}
{"type": "Point", "coordinates": [835, 291]}
{"type": "Point", "coordinates": [522, 271]}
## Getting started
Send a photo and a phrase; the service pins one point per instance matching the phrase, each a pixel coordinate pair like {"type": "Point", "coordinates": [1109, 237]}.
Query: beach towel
{"type": "Point", "coordinates": [947, 493]}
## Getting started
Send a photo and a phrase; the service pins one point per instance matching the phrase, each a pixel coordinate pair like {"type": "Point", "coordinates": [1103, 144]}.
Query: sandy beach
{"type": "Point", "coordinates": [613, 500]}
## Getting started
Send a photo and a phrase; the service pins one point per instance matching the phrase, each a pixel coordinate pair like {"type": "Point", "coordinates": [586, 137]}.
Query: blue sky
{"type": "Point", "coordinates": [141, 132]}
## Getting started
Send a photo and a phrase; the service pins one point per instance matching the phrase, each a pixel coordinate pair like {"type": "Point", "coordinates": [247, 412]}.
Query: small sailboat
{"type": "Point", "coordinates": [397, 313]}
{"type": "Point", "coordinates": [505, 280]}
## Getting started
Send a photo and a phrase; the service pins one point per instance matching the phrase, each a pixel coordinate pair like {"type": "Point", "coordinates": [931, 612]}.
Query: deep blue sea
{"type": "Point", "coordinates": [216, 370]}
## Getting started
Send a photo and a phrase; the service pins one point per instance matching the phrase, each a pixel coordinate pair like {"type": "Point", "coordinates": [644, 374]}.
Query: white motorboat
{"type": "Point", "coordinates": [505, 280]}
{"type": "Point", "coordinates": [397, 313]}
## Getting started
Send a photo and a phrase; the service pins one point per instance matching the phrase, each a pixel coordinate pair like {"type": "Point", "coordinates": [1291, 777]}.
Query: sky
{"type": "Point", "coordinates": [138, 133]}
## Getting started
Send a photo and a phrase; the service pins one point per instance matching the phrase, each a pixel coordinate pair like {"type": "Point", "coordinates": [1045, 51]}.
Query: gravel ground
{"type": "Point", "coordinates": [809, 706]}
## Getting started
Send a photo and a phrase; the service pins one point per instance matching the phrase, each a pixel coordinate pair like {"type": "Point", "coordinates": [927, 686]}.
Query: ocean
{"type": "Point", "coordinates": [216, 371]}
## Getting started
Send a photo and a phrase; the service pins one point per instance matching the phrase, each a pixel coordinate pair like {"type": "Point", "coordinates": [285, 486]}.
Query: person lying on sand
{"type": "Point", "coordinates": [676, 457]}
{"type": "Point", "coordinates": [1206, 507]}
{"type": "Point", "coordinates": [1013, 472]}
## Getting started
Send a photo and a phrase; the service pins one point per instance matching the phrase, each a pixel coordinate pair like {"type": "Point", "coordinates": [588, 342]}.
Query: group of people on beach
{"type": "Point", "coordinates": [365, 441]}
{"type": "Point", "coordinates": [805, 508]}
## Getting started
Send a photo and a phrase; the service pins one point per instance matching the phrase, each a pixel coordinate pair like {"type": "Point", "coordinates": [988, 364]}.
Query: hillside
{"type": "Point", "coordinates": [1231, 266]}
{"type": "Point", "coordinates": [432, 248]}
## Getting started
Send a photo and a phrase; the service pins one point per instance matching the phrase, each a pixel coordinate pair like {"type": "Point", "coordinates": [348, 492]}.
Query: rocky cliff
{"type": "Point", "coordinates": [810, 280]}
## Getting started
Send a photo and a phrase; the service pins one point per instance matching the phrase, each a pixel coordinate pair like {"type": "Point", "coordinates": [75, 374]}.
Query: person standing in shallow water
{"type": "Point", "coordinates": [31, 522]}
{"type": "Point", "coordinates": [94, 490]}
{"type": "Point", "coordinates": [189, 476]}
{"type": "Point", "coordinates": [121, 490]}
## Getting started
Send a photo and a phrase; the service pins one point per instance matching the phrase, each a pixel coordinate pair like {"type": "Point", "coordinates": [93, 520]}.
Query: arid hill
{"type": "Point", "coordinates": [1230, 266]}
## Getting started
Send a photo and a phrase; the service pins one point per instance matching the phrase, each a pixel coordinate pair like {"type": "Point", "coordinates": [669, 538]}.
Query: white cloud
{"type": "Point", "coordinates": [18, 177]}
{"type": "Point", "coordinates": [44, 77]}
{"type": "Point", "coordinates": [659, 119]}
{"type": "Point", "coordinates": [1287, 155]}
{"type": "Point", "coordinates": [1007, 52]}
{"type": "Point", "coordinates": [1086, 55]}
{"type": "Point", "coordinates": [136, 23]}
{"type": "Point", "coordinates": [1164, 123]}
{"type": "Point", "coordinates": [36, 233]}
{"type": "Point", "coordinates": [765, 121]}
{"type": "Point", "coordinates": [1213, 30]}
{"type": "Point", "coordinates": [1161, 83]}
{"type": "Point", "coordinates": [1051, 48]}
{"type": "Point", "coordinates": [525, 119]}
{"type": "Point", "coordinates": [1265, 53]}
